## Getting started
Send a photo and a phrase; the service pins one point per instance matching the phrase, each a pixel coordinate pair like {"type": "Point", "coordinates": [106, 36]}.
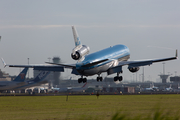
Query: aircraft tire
{"type": "Point", "coordinates": [120, 78]}
{"type": "Point", "coordinates": [84, 80]}
{"type": "Point", "coordinates": [115, 79]}
{"type": "Point", "coordinates": [100, 78]}
{"type": "Point", "coordinates": [79, 80]}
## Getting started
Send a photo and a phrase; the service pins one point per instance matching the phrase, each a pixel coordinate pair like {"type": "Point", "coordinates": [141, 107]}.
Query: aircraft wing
{"type": "Point", "coordinates": [138, 63]}
{"type": "Point", "coordinates": [44, 67]}
{"type": "Point", "coordinates": [63, 65]}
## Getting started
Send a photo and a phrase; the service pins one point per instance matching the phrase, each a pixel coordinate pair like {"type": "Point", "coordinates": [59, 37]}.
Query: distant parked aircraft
{"type": "Point", "coordinates": [73, 89]}
{"type": "Point", "coordinates": [169, 89]}
{"type": "Point", "coordinates": [152, 88]}
{"type": "Point", "coordinates": [38, 80]}
{"type": "Point", "coordinates": [17, 82]}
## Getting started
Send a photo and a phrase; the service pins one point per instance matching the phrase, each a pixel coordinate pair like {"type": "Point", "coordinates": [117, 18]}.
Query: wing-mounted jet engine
{"type": "Point", "coordinates": [80, 52]}
{"type": "Point", "coordinates": [134, 69]}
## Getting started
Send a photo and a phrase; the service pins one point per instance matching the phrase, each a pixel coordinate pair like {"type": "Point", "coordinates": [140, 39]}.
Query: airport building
{"type": "Point", "coordinates": [5, 76]}
{"type": "Point", "coordinates": [175, 79]}
{"type": "Point", "coordinates": [56, 75]}
{"type": "Point", "coordinates": [164, 78]}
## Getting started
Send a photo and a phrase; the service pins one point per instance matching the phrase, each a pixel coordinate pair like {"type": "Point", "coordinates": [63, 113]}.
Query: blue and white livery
{"type": "Point", "coordinates": [109, 60]}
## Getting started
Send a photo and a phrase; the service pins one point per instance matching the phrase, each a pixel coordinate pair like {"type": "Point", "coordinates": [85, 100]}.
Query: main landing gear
{"type": "Point", "coordinates": [99, 79]}
{"type": "Point", "coordinates": [118, 78]}
{"type": "Point", "coordinates": [80, 80]}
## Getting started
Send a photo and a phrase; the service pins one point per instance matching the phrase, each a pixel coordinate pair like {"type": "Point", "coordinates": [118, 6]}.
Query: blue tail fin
{"type": "Point", "coordinates": [21, 77]}
{"type": "Point", "coordinates": [76, 37]}
{"type": "Point", "coordinates": [41, 76]}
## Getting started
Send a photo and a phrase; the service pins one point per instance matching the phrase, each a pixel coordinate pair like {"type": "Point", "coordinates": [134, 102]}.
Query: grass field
{"type": "Point", "coordinates": [89, 107]}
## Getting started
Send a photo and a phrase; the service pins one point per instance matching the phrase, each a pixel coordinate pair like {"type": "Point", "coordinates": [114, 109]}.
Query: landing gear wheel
{"type": "Point", "coordinates": [115, 79]}
{"type": "Point", "coordinates": [79, 80]}
{"type": "Point", "coordinates": [84, 80]}
{"type": "Point", "coordinates": [118, 78]}
{"type": "Point", "coordinates": [99, 79]}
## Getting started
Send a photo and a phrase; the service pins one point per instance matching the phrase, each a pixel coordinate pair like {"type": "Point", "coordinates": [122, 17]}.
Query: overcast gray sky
{"type": "Point", "coordinates": [39, 29]}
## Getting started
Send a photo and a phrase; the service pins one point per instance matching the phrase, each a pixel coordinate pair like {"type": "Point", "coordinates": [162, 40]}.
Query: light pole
{"type": "Point", "coordinates": [136, 76]}
{"type": "Point", "coordinates": [163, 68]}
{"type": "Point", "coordinates": [140, 77]}
{"type": "Point", "coordinates": [143, 75]}
{"type": "Point", "coordinates": [28, 69]}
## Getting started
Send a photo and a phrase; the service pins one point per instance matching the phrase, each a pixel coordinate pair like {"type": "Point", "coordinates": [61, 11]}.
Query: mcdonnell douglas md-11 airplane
{"type": "Point", "coordinates": [108, 60]}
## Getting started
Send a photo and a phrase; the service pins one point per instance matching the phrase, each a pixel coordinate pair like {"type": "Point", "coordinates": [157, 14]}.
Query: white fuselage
{"type": "Point", "coordinates": [10, 85]}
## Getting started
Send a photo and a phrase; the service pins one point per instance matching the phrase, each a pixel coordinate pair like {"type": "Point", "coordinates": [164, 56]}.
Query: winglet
{"type": "Point", "coordinates": [176, 53]}
{"type": "Point", "coordinates": [4, 62]}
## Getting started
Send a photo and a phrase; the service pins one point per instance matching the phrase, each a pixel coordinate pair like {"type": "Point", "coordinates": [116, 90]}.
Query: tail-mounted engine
{"type": "Point", "coordinates": [79, 52]}
{"type": "Point", "coordinates": [134, 69]}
